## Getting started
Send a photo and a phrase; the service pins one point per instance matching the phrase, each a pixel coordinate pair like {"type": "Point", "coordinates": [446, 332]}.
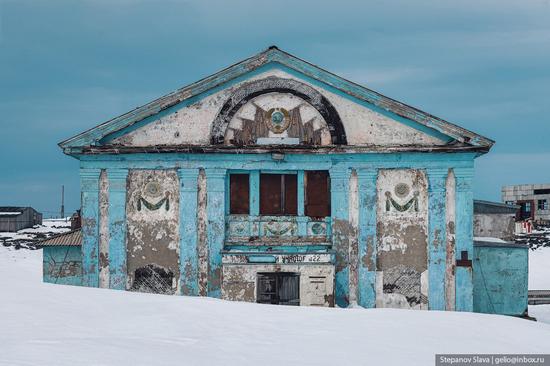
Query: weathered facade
{"type": "Point", "coordinates": [275, 181]}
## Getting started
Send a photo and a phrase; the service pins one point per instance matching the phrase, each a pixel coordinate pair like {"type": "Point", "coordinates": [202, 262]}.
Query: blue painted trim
{"type": "Point", "coordinates": [117, 228]}
{"type": "Point", "coordinates": [215, 184]}
{"type": "Point", "coordinates": [89, 185]}
{"type": "Point", "coordinates": [292, 162]}
{"type": "Point", "coordinates": [302, 224]}
{"type": "Point", "coordinates": [254, 189]}
{"type": "Point", "coordinates": [367, 237]}
{"type": "Point", "coordinates": [339, 183]}
{"type": "Point", "coordinates": [437, 237]}
{"type": "Point", "coordinates": [189, 259]}
{"type": "Point", "coordinates": [464, 237]}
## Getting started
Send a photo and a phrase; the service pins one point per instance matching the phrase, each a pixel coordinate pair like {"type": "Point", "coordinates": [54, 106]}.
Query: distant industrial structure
{"type": "Point", "coordinates": [533, 199]}
{"type": "Point", "coordinates": [16, 218]}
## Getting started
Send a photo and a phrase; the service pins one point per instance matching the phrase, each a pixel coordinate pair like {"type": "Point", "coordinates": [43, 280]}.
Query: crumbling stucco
{"type": "Point", "coordinates": [450, 260]}
{"type": "Point", "coordinates": [152, 211]}
{"type": "Point", "coordinates": [402, 258]}
{"type": "Point", "coordinates": [103, 230]}
{"type": "Point", "coordinates": [316, 282]}
{"type": "Point", "coordinates": [191, 125]}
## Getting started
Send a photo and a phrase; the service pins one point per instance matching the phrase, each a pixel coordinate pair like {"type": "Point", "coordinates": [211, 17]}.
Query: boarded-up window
{"type": "Point", "coordinates": [239, 191]}
{"type": "Point", "coordinates": [278, 194]}
{"type": "Point", "coordinates": [279, 288]}
{"type": "Point", "coordinates": [317, 190]}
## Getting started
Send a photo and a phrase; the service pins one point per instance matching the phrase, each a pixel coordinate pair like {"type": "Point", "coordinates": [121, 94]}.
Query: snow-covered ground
{"type": "Point", "coordinates": [26, 238]}
{"type": "Point", "coordinates": [43, 324]}
{"type": "Point", "coordinates": [539, 269]}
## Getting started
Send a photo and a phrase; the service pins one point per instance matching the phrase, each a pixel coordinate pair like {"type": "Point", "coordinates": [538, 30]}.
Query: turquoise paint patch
{"type": "Point", "coordinates": [500, 279]}
{"type": "Point", "coordinates": [62, 265]}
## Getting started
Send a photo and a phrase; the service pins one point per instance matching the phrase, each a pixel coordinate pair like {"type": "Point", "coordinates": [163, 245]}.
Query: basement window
{"type": "Point", "coordinates": [280, 288]}
{"type": "Point", "coordinates": [317, 193]}
{"type": "Point", "coordinates": [278, 194]}
{"type": "Point", "coordinates": [542, 204]}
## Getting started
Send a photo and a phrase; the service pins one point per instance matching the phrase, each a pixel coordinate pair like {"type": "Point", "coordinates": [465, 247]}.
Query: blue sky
{"type": "Point", "coordinates": [66, 66]}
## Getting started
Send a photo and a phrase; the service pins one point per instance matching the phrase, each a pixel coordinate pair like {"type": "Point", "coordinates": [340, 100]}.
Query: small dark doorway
{"type": "Point", "coordinates": [281, 288]}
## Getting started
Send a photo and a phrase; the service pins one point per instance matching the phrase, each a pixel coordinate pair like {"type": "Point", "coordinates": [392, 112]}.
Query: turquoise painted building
{"type": "Point", "coordinates": [275, 181]}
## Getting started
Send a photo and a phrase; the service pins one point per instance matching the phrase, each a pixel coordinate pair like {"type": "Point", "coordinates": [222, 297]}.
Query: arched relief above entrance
{"type": "Point", "coordinates": [277, 117]}
{"type": "Point", "coordinates": [281, 108]}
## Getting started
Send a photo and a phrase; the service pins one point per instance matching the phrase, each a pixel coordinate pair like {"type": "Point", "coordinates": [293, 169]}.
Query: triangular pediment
{"type": "Point", "coordinates": [275, 98]}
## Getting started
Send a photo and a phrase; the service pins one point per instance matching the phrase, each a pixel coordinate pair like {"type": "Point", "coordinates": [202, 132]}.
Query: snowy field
{"type": "Point", "coordinates": [26, 238]}
{"type": "Point", "coordinates": [43, 324]}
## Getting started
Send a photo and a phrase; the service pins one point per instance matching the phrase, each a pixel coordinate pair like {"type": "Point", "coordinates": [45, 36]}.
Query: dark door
{"type": "Point", "coordinates": [281, 288]}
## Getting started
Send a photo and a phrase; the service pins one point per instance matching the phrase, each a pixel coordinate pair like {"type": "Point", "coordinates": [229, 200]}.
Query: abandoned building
{"type": "Point", "coordinates": [17, 218]}
{"type": "Point", "coordinates": [275, 181]}
{"type": "Point", "coordinates": [534, 200]}
{"type": "Point", "coordinates": [495, 220]}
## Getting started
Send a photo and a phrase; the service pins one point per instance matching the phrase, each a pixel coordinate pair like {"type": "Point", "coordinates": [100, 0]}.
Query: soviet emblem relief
{"type": "Point", "coordinates": [401, 190]}
{"type": "Point", "coordinates": [278, 120]}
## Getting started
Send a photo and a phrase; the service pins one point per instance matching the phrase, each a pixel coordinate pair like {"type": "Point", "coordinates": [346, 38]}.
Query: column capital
{"type": "Point", "coordinates": [188, 179]}
{"type": "Point", "coordinates": [89, 179]}
{"type": "Point", "coordinates": [216, 173]}
{"type": "Point", "coordinates": [367, 173]}
{"type": "Point", "coordinates": [437, 179]}
{"type": "Point", "coordinates": [117, 174]}
{"type": "Point", "coordinates": [117, 179]}
{"type": "Point", "coordinates": [188, 172]}
{"type": "Point", "coordinates": [464, 179]}
{"type": "Point", "coordinates": [339, 173]}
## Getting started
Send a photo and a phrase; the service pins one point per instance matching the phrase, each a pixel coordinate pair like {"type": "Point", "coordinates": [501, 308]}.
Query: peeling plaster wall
{"type": "Point", "coordinates": [316, 282]}
{"type": "Point", "coordinates": [153, 233]}
{"type": "Point", "coordinates": [202, 246]}
{"type": "Point", "coordinates": [451, 223]}
{"type": "Point", "coordinates": [402, 258]}
{"type": "Point", "coordinates": [191, 125]}
{"type": "Point", "coordinates": [353, 239]}
{"type": "Point", "coordinates": [103, 230]}
{"type": "Point", "coordinates": [62, 265]}
{"type": "Point", "coordinates": [495, 226]}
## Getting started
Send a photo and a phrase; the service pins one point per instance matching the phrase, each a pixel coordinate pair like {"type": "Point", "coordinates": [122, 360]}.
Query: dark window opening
{"type": "Point", "coordinates": [278, 194]}
{"type": "Point", "coordinates": [542, 191]}
{"type": "Point", "coordinates": [317, 193]}
{"type": "Point", "coordinates": [542, 204]}
{"type": "Point", "coordinates": [281, 288]}
{"type": "Point", "coordinates": [509, 202]}
{"type": "Point", "coordinates": [239, 191]}
{"type": "Point", "coordinates": [526, 210]}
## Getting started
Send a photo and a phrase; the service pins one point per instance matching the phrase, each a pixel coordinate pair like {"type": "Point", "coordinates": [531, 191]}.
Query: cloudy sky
{"type": "Point", "coordinates": [66, 66]}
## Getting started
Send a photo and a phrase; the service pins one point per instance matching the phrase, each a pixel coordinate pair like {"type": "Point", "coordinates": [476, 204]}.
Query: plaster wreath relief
{"type": "Point", "coordinates": [401, 190]}
{"type": "Point", "coordinates": [153, 190]}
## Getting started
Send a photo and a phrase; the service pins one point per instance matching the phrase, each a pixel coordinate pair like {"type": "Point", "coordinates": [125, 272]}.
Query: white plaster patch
{"type": "Point", "coordinates": [191, 125]}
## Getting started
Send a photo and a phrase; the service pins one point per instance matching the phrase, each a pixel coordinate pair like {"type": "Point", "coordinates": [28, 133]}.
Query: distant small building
{"type": "Point", "coordinates": [494, 219]}
{"type": "Point", "coordinates": [16, 218]}
{"type": "Point", "coordinates": [534, 200]}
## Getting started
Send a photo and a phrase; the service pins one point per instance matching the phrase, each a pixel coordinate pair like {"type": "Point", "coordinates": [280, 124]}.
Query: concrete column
{"type": "Point", "coordinates": [189, 266]}
{"type": "Point", "coordinates": [89, 185]}
{"type": "Point", "coordinates": [215, 185]}
{"type": "Point", "coordinates": [464, 237]}
{"type": "Point", "coordinates": [366, 296]}
{"type": "Point", "coordinates": [437, 237]}
{"type": "Point", "coordinates": [117, 228]}
{"type": "Point", "coordinates": [339, 183]}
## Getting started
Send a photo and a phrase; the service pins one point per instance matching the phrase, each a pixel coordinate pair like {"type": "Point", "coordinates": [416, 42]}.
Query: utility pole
{"type": "Point", "coordinates": [62, 201]}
